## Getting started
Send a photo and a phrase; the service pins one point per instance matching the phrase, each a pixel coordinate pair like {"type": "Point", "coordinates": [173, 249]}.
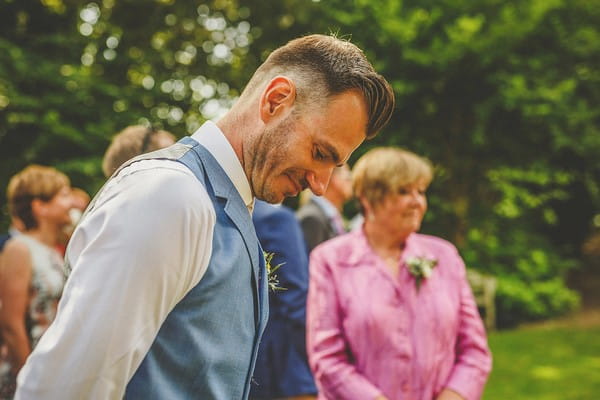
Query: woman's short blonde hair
{"type": "Point", "coordinates": [385, 170]}
{"type": "Point", "coordinates": [33, 182]}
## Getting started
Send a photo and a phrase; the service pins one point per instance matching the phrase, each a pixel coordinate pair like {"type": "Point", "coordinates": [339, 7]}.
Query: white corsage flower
{"type": "Point", "coordinates": [421, 268]}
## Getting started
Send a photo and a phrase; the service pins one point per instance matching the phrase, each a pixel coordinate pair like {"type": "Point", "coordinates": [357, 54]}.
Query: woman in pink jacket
{"type": "Point", "coordinates": [390, 312]}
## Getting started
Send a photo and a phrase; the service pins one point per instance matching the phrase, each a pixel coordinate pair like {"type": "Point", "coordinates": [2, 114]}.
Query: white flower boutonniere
{"type": "Point", "coordinates": [421, 268]}
{"type": "Point", "coordinates": [272, 279]}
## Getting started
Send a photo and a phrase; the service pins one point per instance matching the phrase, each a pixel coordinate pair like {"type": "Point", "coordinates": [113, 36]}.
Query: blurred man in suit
{"type": "Point", "coordinates": [282, 370]}
{"type": "Point", "coordinates": [321, 218]}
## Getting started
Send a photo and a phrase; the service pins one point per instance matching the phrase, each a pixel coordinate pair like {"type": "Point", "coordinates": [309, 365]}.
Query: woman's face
{"type": "Point", "coordinates": [401, 213]}
{"type": "Point", "coordinates": [56, 210]}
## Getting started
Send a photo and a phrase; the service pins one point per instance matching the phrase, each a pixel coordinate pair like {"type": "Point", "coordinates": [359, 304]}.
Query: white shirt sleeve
{"type": "Point", "coordinates": [147, 243]}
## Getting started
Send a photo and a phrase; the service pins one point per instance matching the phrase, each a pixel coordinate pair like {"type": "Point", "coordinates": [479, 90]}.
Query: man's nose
{"type": "Point", "coordinates": [319, 180]}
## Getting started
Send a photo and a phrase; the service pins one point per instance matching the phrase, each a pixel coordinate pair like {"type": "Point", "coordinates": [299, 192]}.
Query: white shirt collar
{"type": "Point", "coordinates": [212, 138]}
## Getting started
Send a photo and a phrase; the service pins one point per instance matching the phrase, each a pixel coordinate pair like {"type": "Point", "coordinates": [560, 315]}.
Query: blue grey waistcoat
{"type": "Point", "coordinates": [207, 346]}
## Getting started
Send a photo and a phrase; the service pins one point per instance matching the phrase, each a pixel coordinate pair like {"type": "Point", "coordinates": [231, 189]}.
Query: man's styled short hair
{"type": "Point", "coordinates": [130, 142]}
{"type": "Point", "coordinates": [385, 170]}
{"type": "Point", "coordinates": [33, 182]}
{"type": "Point", "coordinates": [323, 66]}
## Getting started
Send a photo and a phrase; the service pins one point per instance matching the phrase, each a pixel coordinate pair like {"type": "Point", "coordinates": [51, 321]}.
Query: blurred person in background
{"type": "Point", "coordinates": [390, 312]}
{"type": "Point", "coordinates": [321, 217]}
{"type": "Point", "coordinates": [81, 199]}
{"type": "Point", "coordinates": [132, 141]}
{"type": "Point", "coordinates": [282, 370]}
{"type": "Point", "coordinates": [80, 202]}
{"type": "Point", "coordinates": [31, 268]}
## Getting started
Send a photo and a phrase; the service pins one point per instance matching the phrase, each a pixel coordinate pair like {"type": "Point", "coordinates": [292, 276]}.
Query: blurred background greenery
{"type": "Point", "coordinates": [553, 360]}
{"type": "Point", "coordinates": [501, 95]}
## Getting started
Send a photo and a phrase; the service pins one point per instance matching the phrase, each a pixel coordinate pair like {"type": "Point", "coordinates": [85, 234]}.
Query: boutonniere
{"type": "Point", "coordinates": [421, 268]}
{"type": "Point", "coordinates": [272, 279]}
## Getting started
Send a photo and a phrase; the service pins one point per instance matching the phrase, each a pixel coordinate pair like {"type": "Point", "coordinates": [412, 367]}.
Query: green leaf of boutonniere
{"type": "Point", "coordinates": [272, 279]}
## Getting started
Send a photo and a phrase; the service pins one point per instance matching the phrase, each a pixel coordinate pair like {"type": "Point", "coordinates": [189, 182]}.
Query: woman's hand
{"type": "Point", "coordinates": [448, 394]}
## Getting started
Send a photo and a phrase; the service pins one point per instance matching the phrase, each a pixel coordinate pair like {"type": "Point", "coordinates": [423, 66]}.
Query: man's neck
{"type": "Point", "coordinates": [231, 125]}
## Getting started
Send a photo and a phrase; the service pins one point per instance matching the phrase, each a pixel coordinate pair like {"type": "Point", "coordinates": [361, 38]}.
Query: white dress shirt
{"type": "Point", "coordinates": [144, 246]}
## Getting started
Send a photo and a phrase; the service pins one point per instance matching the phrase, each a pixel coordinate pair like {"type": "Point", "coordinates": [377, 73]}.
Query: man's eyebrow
{"type": "Point", "coordinates": [333, 153]}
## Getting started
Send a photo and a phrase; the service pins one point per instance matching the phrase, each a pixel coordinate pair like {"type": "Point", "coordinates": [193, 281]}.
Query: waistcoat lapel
{"type": "Point", "coordinates": [236, 210]}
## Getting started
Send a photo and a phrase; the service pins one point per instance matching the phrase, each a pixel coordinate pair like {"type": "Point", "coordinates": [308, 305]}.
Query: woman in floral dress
{"type": "Point", "coordinates": [31, 275]}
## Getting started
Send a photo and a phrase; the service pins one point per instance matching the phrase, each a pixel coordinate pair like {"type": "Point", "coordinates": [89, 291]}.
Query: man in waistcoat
{"type": "Point", "coordinates": [167, 293]}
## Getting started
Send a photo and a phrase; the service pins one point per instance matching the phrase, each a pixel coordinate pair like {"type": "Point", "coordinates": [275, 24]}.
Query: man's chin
{"type": "Point", "coordinates": [275, 194]}
{"type": "Point", "coordinates": [271, 197]}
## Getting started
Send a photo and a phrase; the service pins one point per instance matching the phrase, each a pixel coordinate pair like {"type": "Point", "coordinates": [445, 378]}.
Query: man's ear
{"type": "Point", "coordinates": [277, 99]}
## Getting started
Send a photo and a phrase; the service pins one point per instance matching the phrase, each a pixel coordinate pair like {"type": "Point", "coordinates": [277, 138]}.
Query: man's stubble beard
{"type": "Point", "coordinates": [265, 154]}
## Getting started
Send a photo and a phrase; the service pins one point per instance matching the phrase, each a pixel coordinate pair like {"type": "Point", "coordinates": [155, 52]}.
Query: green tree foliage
{"type": "Point", "coordinates": [73, 73]}
{"type": "Point", "coordinates": [501, 95]}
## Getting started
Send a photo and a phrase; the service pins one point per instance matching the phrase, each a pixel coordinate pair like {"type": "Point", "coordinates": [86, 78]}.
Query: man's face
{"type": "Point", "coordinates": [301, 151]}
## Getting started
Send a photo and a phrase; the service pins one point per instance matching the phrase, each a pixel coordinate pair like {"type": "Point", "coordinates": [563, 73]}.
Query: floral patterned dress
{"type": "Point", "coordinates": [46, 286]}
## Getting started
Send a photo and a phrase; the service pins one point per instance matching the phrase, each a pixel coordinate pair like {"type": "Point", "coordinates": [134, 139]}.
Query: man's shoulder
{"type": "Point", "coordinates": [164, 186]}
{"type": "Point", "coordinates": [150, 170]}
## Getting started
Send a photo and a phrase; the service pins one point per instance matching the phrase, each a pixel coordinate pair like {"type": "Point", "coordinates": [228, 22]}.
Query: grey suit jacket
{"type": "Point", "coordinates": [315, 224]}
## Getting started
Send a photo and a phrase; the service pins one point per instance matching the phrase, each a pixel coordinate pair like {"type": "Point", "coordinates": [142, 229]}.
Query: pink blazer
{"type": "Point", "coordinates": [369, 333]}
